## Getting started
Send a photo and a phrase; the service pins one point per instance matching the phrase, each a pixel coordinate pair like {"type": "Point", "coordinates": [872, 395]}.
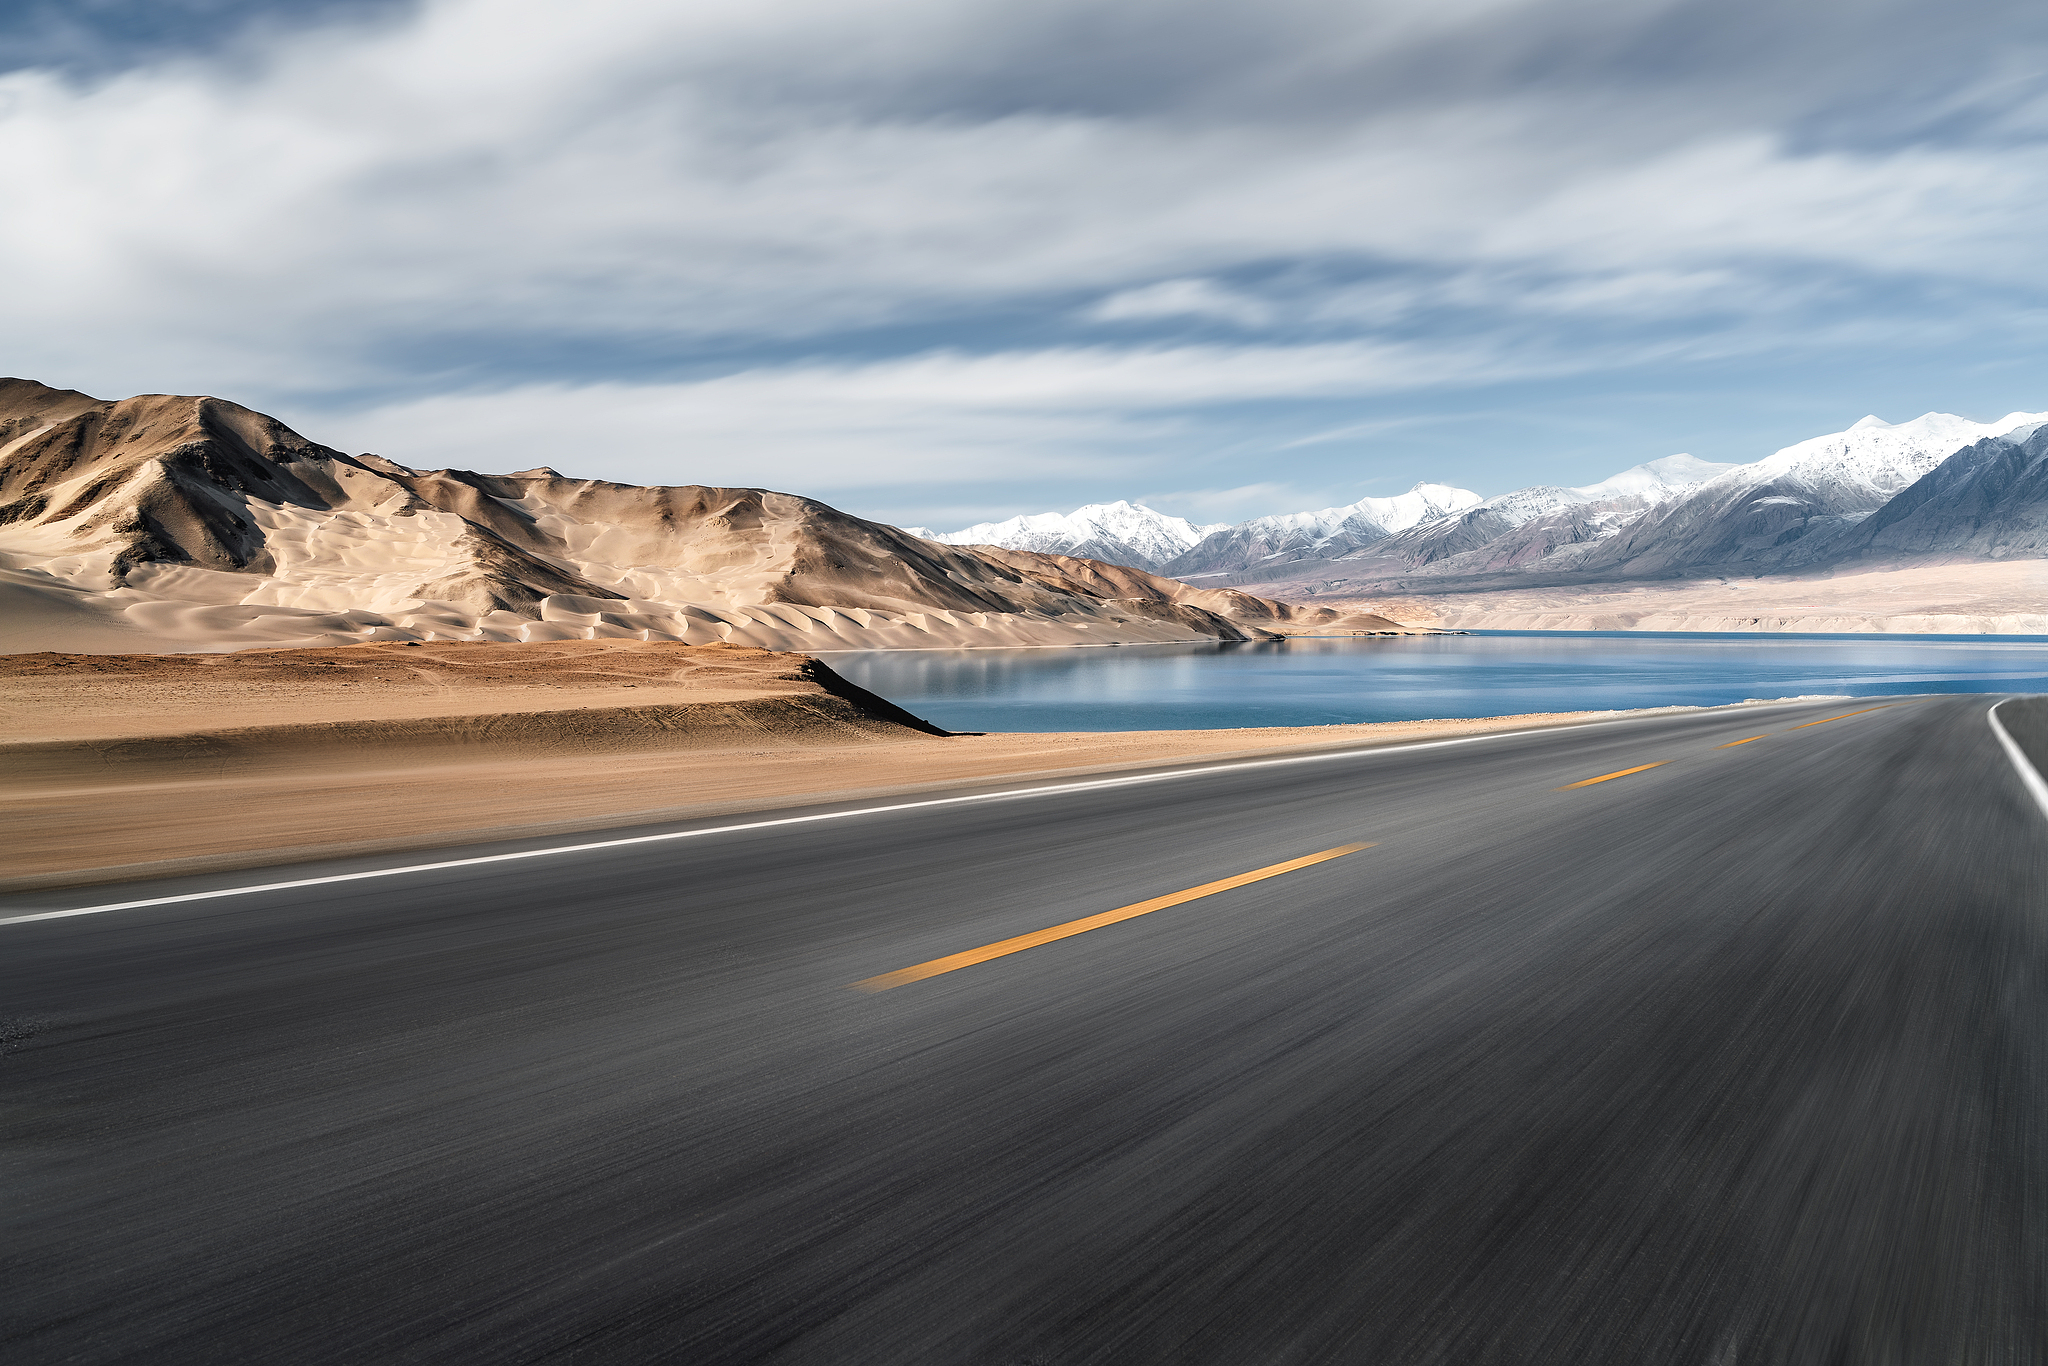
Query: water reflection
{"type": "Point", "coordinates": [1496, 673]}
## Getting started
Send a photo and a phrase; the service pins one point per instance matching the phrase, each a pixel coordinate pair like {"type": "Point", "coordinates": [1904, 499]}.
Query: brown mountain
{"type": "Point", "coordinates": [183, 523]}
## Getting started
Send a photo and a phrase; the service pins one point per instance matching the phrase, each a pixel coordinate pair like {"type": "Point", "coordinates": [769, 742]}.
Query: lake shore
{"type": "Point", "coordinates": [1997, 598]}
{"type": "Point", "coordinates": [121, 767]}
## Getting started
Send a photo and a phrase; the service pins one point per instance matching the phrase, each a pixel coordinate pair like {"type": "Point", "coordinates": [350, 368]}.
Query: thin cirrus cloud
{"type": "Point", "coordinates": [1176, 299]}
{"type": "Point", "coordinates": [864, 246]}
{"type": "Point", "coordinates": [903, 424]}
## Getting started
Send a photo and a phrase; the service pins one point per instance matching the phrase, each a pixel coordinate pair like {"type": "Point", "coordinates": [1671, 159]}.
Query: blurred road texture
{"type": "Point", "coordinates": [1737, 1057]}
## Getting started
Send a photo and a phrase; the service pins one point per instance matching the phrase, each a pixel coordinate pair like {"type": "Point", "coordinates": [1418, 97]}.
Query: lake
{"type": "Point", "coordinates": [1313, 681]}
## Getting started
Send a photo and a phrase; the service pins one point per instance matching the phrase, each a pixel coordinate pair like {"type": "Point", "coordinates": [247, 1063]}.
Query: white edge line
{"type": "Point", "coordinates": [1012, 793]}
{"type": "Point", "coordinates": [2022, 765]}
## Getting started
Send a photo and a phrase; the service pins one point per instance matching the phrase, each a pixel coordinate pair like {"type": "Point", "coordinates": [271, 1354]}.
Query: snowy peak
{"type": "Point", "coordinates": [1121, 533]}
{"type": "Point", "coordinates": [1521, 505]}
{"type": "Point", "coordinates": [1799, 505]}
{"type": "Point", "coordinates": [1328, 532]}
{"type": "Point", "coordinates": [1652, 482]}
{"type": "Point", "coordinates": [1423, 503]}
{"type": "Point", "coordinates": [1133, 534]}
{"type": "Point", "coordinates": [1659, 517]}
{"type": "Point", "coordinates": [1875, 458]}
{"type": "Point", "coordinates": [1654, 479]}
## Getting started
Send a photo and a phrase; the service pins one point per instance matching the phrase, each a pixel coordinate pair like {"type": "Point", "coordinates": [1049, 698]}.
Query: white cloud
{"type": "Point", "coordinates": [1183, 299]}
{"type": "Point", "coordinates": [1206, 505]}
{"type": "Point", "coordinates": [439, 227]}
{"type": "Point", "coordinates": [935, 418]}
{"type": "Point", "coordinates": [309, 211]}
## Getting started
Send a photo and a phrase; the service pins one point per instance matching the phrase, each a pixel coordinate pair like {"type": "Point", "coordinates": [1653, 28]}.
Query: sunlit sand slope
{"type": "Point", "coordinates": [177, 523]}
{"type": "Point", "coordinates": [115, 766]}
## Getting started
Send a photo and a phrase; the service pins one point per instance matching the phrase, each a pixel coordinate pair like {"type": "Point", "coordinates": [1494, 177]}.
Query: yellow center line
{"type": "Point", "coordinates": [1843, 717]}
{"type": "Point", "coordinates": [1588, 782]}
{"type": "Point", "coordinates": [954, 962]}
{"type": "Point", "coordinates": [1750, 741]}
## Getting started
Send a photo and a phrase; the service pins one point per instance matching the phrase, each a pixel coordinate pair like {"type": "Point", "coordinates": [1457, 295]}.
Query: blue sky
{"type": "Point", "coordinates": [939, 262]}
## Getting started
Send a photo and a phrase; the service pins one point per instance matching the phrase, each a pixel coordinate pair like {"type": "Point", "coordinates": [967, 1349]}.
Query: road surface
{"type": "Point", "coordinates": [1736, 1057]}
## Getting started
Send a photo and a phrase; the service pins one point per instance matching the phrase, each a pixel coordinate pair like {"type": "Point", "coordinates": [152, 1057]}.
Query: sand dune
{"type": "Point", "coordinates": [116, 767]}
{"type": "Point", "coordinates": [177, 523]}
{"type": "Point", "coordinates": [361, 705]}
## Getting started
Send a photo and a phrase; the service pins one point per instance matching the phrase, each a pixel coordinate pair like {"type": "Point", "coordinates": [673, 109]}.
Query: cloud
{"type": "Point", "coordinates": [1209, 505]}
{"type": "Point", "coordinates": [937, 418]}
{"type": "Point", "coordinates": [1183, 299]}
{"type": "Point", "coordinates": [818, 229]}
{"type": "Point", "coordinates": [788, 169]}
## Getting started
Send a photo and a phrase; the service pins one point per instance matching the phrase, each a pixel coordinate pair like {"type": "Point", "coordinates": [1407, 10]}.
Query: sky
{"type": "Point", "coordinates": [938, 262]}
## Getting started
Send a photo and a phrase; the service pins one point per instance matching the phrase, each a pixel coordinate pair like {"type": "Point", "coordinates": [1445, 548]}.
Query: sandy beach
{"type": "Point", "coordinates": [128, 766]}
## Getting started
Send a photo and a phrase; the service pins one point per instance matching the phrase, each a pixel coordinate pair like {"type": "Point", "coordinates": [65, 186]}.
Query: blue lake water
{"type": "Point", "coordinates": [1311, 682]}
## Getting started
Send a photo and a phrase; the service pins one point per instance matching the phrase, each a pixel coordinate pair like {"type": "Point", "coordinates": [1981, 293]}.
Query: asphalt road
{"type": "Point", "coordinates": [1739, 1058]}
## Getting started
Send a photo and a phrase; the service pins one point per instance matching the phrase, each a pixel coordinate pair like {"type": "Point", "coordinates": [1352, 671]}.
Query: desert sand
{"type": "Point", "coordinates": [115, 767]}
{"type": "Point", "coordinates": [2003, 597]}
{"type": "Point", "coordinates": [167, 522]}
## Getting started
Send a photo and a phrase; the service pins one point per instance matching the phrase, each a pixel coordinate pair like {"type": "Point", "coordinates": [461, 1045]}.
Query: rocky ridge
{"type": "Point", "coordinates": [178, 522]}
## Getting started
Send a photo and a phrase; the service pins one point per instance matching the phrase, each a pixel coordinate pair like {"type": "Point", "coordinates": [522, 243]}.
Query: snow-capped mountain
{"type": "Point", "coordinates": [1119, 533]}
{"type": "Point", "coordinates": [1989, 499]}
{"type": "Point", "coordinates": [1877, 458]}
{"type": "Point", "coordinates": [1599, 509]}
{"type": "Point", "coordinates": [1654, 481]}
{"type": "Point", "coordinates": [1327, 533]}
{"type": "Point", "coordinates": [1791, 507]}
{"type": "Point", "coordinates": [1509, 529]}
{"type": "Point", "coordinates": [1423, 503]}
{"type": "Point", "coordinates": [1799, 507]}
{"type": "Point", "coordinates": [1449, 522]}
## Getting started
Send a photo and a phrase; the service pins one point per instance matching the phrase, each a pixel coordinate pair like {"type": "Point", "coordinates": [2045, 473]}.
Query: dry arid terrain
{"type": "Point", "coordinates": [166, 522]}
{"type": "Point", "coordinates": [119, 766]}
{"type": "Point", "coordinates": [2007, 597]}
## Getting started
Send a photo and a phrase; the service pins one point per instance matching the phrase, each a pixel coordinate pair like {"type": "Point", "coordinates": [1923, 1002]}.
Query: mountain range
{"type": "Point", "coordinates": [1119, 532]}
{"type": "Point", "coordinates": [187, 523]}
{"type": "Point", "coordinates": [1133, 534]}
{"type": "Point", "coordinates": [169, 522]}
{"type": "Point", "coordinates": [1938, 486]}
